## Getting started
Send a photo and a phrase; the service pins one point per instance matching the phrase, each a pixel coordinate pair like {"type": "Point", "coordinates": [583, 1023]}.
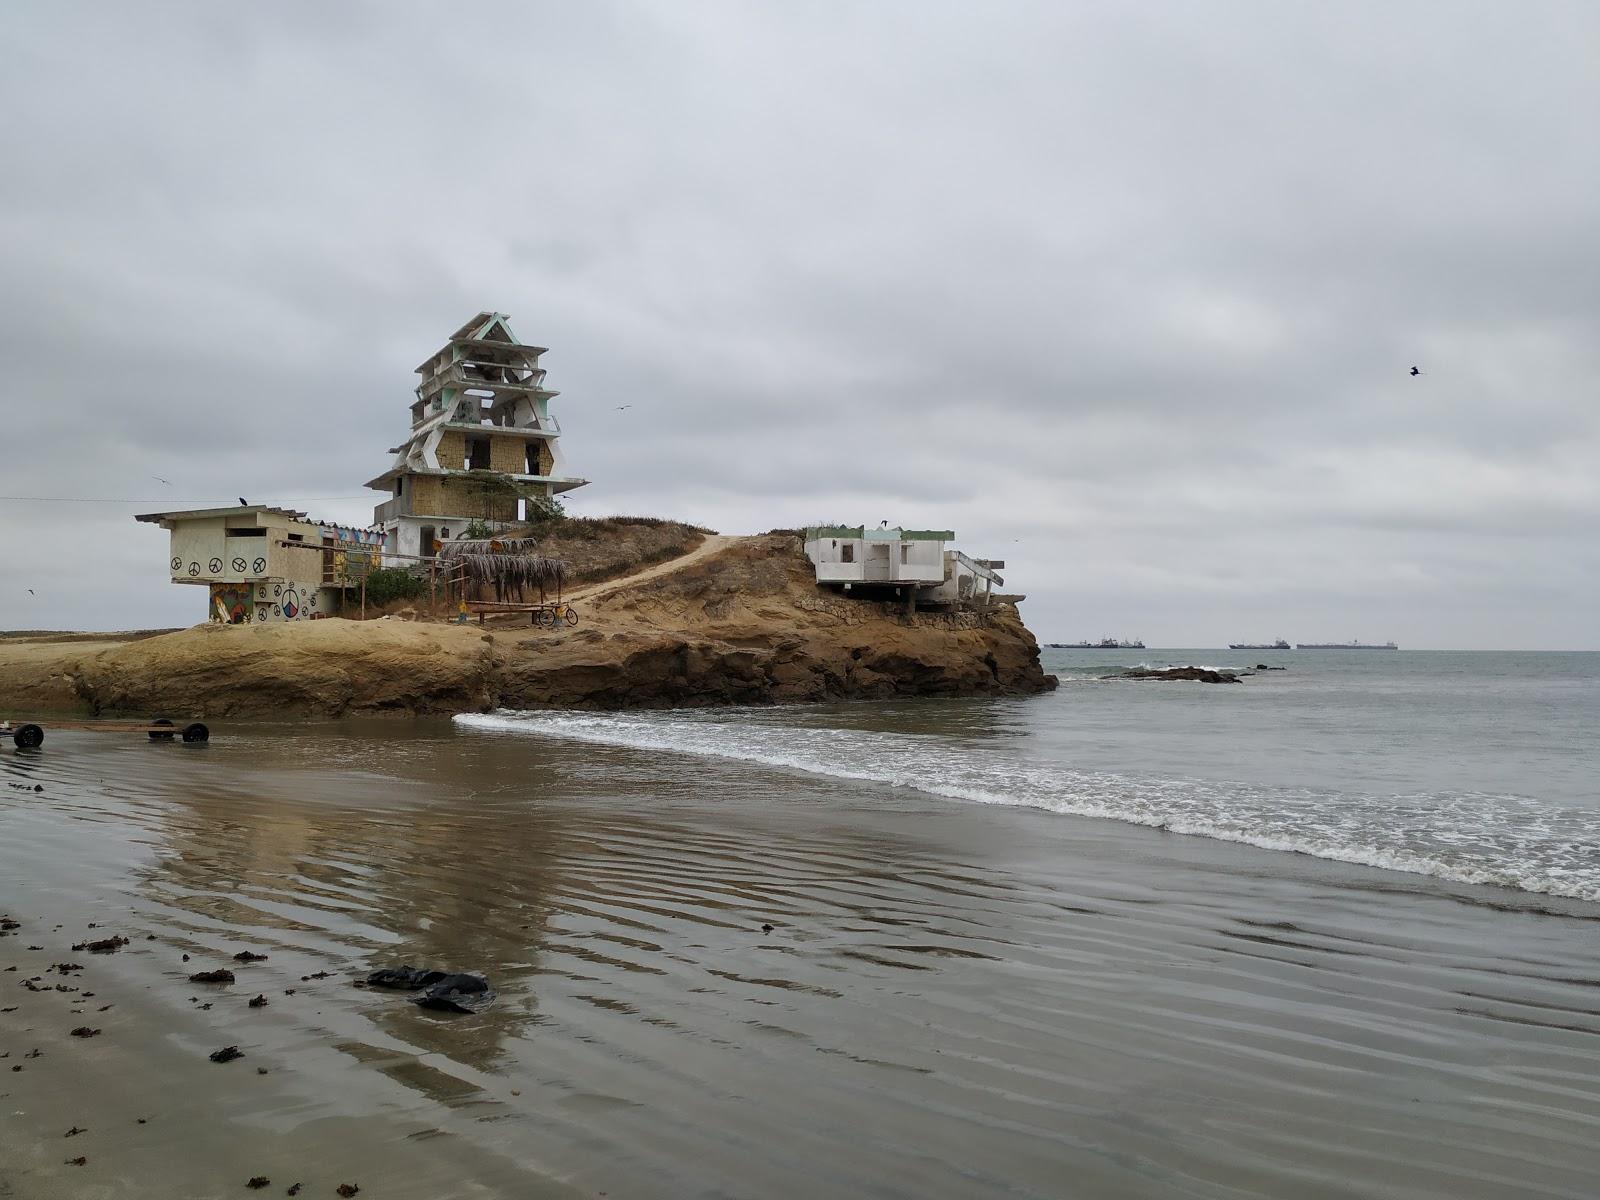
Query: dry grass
{"type": "Point", "coordinates": [600, 548]}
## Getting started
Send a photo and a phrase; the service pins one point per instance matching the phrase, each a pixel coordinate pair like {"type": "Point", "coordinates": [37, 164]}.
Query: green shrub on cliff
{"type": "Point", "coordinates": [393, 583]}
{"type": "Point", "coordinates": [543, 509]}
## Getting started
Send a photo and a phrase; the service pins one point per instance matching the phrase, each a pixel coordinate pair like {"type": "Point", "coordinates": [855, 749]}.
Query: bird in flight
{"type": "Point", "coordinates": [30, 591]}
{"type": "Point", "coordinates": [1416, 370]}
{"type": "Point", "coordinates": [158, 479]}
{"type": "Point", "coordinates": [623, 407]}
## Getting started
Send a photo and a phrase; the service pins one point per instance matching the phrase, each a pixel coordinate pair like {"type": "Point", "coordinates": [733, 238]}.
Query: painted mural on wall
{"type": "Point", "coordinates": [286, 602]}
{"type": "Point", "coordinates": [242, 604]}
{"type": "Point", "coordinates": [230, 603]}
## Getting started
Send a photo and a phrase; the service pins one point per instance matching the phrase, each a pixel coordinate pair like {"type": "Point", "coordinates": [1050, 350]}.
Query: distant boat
{"type": "Point", "coordinates": [1345, 646]}
{"type": "Point", "coordinates": [1280, 644]}
{"type": "Point", "coordinates": [1102, 644]}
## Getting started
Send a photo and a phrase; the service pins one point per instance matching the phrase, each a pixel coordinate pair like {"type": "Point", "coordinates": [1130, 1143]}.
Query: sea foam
{"type": "Point", "coordinates": [1476, 838]}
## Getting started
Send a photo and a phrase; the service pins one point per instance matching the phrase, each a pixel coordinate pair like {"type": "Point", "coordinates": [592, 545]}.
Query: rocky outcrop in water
{"type": "Point", "coordinates": [1189, 674]}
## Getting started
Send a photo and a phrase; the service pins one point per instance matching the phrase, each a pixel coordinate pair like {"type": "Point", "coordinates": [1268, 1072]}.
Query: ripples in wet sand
{"type": "Point", "coordinates": [950, 1002]}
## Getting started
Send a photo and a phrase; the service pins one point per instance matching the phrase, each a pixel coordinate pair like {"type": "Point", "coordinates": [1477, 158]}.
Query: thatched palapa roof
{"type": "Point", "coordinates": [510, 564]}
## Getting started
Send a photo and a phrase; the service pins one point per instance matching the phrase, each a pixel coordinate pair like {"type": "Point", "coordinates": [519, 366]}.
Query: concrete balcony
{"type": "Point", "coordinates": [498, 377]}
{"type": "Point", "coordinates": [400, 506]}
{"type": "Point", "coordinates": [546, 427]}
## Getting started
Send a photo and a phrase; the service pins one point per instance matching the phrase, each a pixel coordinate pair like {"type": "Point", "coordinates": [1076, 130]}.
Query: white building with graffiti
{"type": "Point", "coordinates": [261, 564]}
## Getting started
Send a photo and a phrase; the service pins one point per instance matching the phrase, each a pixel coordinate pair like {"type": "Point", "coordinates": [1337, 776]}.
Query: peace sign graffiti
{"type": "Point", "coordinates": [259, 565]}
{"type": "Point", "coordinates": [194, 569]}
{"type": "Point", "coordinates": [215, 566]}
{"type": "Point", "coordinates": [239, 565]}
{"type": "Point", "coordinates": [177, 564]}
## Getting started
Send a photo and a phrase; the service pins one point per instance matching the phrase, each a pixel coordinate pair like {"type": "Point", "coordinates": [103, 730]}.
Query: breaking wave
{"type": "Point", "coordinates": [1476, 838]}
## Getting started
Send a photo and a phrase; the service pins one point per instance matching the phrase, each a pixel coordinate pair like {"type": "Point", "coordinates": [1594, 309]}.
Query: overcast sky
{"type": "Point", "coordinates": [1126, 294]}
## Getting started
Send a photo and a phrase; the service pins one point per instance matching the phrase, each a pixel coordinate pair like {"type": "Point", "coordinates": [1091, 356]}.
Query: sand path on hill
{"type": "Point", "coordinates": [714, 543]}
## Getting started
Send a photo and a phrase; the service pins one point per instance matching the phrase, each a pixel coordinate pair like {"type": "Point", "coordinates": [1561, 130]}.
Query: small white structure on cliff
{"type": "Point", "coordinates": [854, 556]}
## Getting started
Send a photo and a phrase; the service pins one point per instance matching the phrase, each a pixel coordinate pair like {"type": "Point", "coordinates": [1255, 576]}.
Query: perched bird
{"type": "Point", "coordinates": [1416, 370]}
{"type": "Point", "coordinates": [243, 503]}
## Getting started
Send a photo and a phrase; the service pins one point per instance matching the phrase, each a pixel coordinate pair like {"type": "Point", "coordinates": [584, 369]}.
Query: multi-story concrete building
{"type": "Point", "coordinates": [482, 442]}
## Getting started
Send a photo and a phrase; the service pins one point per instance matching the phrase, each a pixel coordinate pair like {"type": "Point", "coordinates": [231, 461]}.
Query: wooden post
{"type": "Point", "coordinates": [363, 597]}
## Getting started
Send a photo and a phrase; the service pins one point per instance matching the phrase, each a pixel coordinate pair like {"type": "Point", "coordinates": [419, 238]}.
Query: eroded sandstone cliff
{"type": "Point", "coordinates": [746, 625]}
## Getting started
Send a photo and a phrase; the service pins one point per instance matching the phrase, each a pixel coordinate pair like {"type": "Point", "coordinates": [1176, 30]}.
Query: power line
{"type": "Point", "coordinates": [168, 500]}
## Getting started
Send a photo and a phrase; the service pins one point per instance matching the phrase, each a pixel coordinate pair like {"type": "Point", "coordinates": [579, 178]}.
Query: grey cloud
{"type": "Point", "coordinates": [1124, 295]}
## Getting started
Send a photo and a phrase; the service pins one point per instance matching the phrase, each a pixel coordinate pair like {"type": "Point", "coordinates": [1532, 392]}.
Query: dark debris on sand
{"type": "Point", "coordinates": [257, 1181]}
{"type": "Point", "coordinates": [226, 1054]}
{"type": "Point", "coordinates": [258, 1002]}
{"type": "Point", "coordinates": [220, 975]}
{"type": "Point", "coordinates": [76, 1162]}
{"type": "Point", "coordinates": [84, 1031]}
{"type": "Point", "coordinates": [441, 990]}
{"type": "Point", "coordinates": [249, 956]}
{"type": "Point", "coordinates": [108, 945]}
{"type": "Point", "coordinates": [293, 1190]}
{"type": "Point", "coordinates": [347, 1189]}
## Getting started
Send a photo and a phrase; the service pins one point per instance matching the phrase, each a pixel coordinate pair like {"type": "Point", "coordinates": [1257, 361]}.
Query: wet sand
{"type": "Point", "coordinates": [953, 1000]}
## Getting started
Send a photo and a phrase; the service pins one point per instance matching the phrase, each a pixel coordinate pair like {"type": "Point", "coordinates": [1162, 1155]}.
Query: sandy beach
{"type": "Point", "coordinates": [952, 1001]}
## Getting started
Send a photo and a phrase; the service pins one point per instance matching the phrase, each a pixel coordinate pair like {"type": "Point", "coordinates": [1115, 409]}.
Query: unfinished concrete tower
{"type": "Point", "coordinates": [482, 444]}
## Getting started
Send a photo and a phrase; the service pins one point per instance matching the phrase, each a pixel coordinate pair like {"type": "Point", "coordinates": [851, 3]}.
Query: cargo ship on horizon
{"type": "Point", "coordinates": [1345, 646]}
{"type": "Point", "coordinates": [1109, 643]}
{"type": "Point", "coordinates": [1280, 644]}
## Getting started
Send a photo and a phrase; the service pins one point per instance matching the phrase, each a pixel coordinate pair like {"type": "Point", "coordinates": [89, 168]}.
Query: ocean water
{"type": "Point", "coordinates": [922, 951]}
{"type": "Point", "coordinates": [1474, 767]}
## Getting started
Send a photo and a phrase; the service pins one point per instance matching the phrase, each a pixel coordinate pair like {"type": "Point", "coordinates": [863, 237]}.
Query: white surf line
{"type": "Point", "coordinates": [1229, 813]}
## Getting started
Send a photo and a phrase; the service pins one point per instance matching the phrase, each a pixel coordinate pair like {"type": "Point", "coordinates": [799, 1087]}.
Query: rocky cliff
{"type": "Point", "coordinates": [745, 625]}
